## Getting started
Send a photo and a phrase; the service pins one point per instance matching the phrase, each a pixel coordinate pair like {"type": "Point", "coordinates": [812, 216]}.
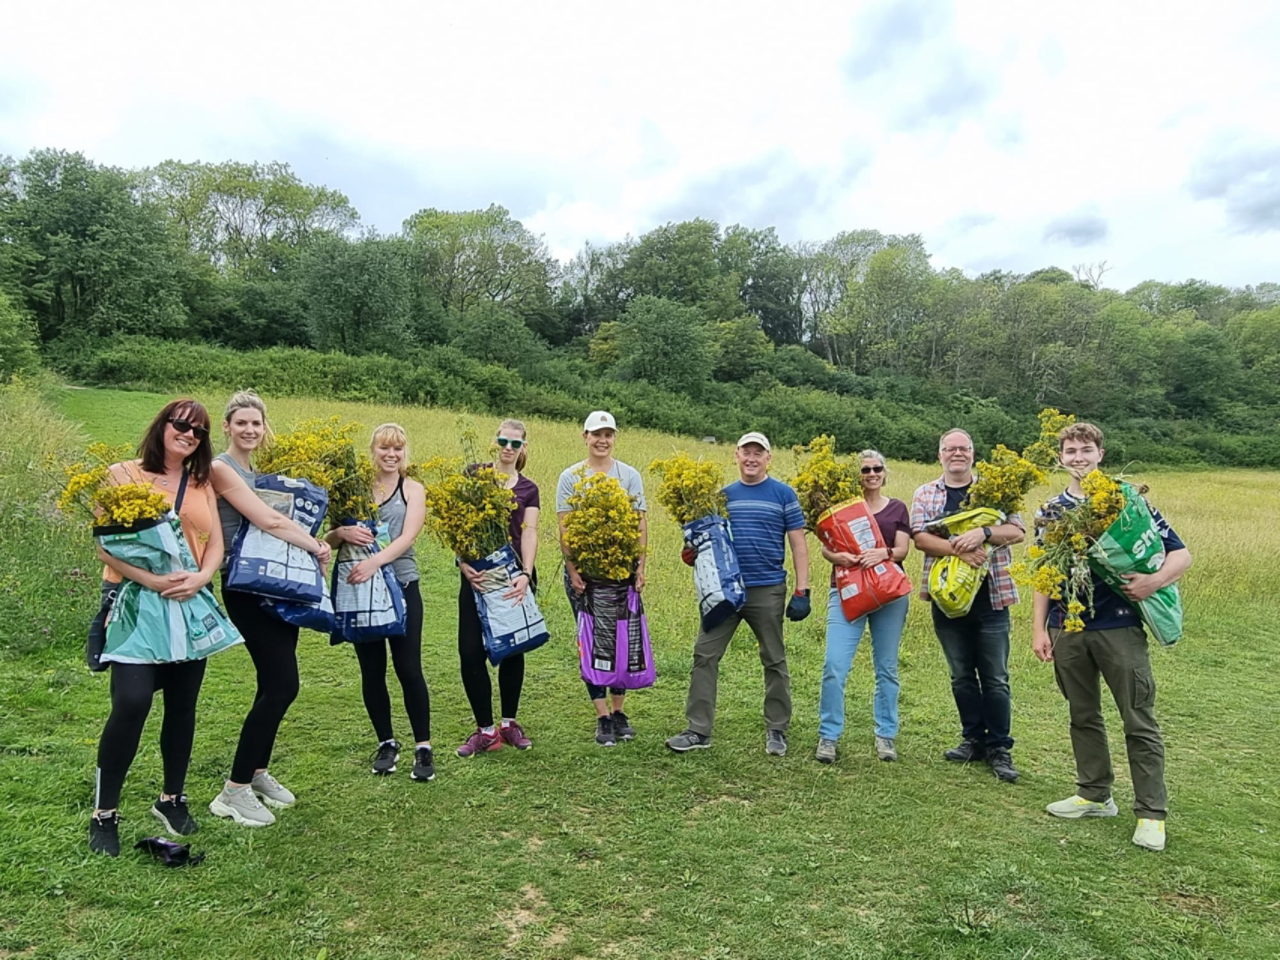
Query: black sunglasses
{"type": "Point", "coordinates": [508, 442]}
{"type": "Point", "coordinates": [878, 468]}
{"type": "Point", "coordinates": [183, 425]}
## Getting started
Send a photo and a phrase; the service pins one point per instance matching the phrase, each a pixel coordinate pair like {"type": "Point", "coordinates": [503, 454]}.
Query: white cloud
{"type": "Point", "coordinates": [984, 127]}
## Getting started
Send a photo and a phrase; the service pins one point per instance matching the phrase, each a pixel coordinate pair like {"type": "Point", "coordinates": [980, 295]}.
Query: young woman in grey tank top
{"type": "Point", "coordinates": [272, 643]}
{"type": "Point", "coordinates": [402, 510]}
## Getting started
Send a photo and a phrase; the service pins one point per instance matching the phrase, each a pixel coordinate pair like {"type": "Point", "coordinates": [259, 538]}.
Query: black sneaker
{"type": "Point", "coordinates": [424, 767]}
{"type": "Point", "coordinates": [622, 726]}
{"type": "Point", "coordinates": [384, 761]}
{"type": "Point", "coordinates": [604, 732]}
{"type": "Point", "coordinates": [104, 834]}
{"type": "Point", "coordinates": [175, 816]}
{"type": "Point", "coordinates": [966, 752]}
{"type": "Point", "coordinates": [1002, 765]}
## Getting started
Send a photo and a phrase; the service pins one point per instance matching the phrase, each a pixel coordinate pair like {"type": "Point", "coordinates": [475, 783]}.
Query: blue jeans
{"type": "Point", "coordinates": [842, 643]}
{"type": "Point", "coordinates": [977, 650]}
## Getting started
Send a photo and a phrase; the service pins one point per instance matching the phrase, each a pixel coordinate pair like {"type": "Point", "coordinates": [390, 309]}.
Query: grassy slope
{"type": "Point", "coordinates": [569, 850]}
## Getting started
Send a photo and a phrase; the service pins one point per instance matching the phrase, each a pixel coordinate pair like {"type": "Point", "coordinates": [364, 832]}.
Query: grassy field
{"type": "Point", "coordinates": [572, 851]}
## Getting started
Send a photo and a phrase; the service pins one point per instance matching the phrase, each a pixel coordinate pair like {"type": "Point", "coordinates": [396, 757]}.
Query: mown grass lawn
{"type": "Point", "coordinates": [569, 850]}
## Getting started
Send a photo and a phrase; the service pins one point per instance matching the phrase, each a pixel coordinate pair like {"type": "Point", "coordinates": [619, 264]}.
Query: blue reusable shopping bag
{"type": "Point", "coordinates": [507, 627]}
{"type": "Point", "coordinates": [265, 565]}
{"type": "Point", "coordinates": [716, 573]}
{"type": "Point", "coordinates": [370, 610]}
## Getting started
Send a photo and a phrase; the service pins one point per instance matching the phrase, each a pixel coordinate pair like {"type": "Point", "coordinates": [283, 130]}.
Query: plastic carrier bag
{"type": "Point", "coordinates": [319, 617]}
{"type": "Point", "coordinates": [850, 527]}
{"type": "Point", "coordinates": [953, 584]}
{"type": "Point", "coordinates": [716, 574]}
{"type": "Point", "coordinates": [1132, 544]}
{"type": "Point", "coordinates": [144, 627]}
{"type": "Point", "coordinates": [265, 565]}
{"type": "Point", "coordinates": [370, 610]}
{"type": "Point", "coordinates": [507, 627]}
{"type": "Point", "coordinates": [613, 636]}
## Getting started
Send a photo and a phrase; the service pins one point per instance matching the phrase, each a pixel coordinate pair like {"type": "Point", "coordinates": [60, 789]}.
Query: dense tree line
{"type": "Point", "coordinates": [691, 315]}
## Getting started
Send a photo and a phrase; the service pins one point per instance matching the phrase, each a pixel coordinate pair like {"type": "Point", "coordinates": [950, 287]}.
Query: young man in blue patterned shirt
{"type": "Point", "coordinates": [764, 516]}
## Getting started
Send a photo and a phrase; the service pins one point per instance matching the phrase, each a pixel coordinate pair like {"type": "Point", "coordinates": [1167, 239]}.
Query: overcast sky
{"type": "Point", "coordinates": [1008, 134]}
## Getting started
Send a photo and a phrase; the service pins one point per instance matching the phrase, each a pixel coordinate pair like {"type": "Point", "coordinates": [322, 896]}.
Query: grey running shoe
{"type": "Point", "coordinates": [384, 761]}
{"type": "Point", "coordinates": [826, 752]}
{"type": "Point", "coordinates": [271, 792]}
{"type": "Point", "coordinates": [684, 742]}
{"type": "Point", "coordinates": [242, 806]}
{"type": "Point", "coordinates": [1076, 806]}
{"type": "Point", "coordinates": [1149, 834]}
{"type": "Point", "coordinates": [104, 834]}
{"type": "Point", "coordinates": [885, 748]}
{"type": "Point", "coordinates": [175, 816]}
{"type": "Point", "coordinates": [605, 735]}
{"type": "Point", "coordinates": [775, 743]}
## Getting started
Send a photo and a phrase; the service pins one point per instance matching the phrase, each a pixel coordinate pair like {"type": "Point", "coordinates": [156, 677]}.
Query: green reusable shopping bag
{"type": "Point", "coordinates": [143, 626]}
{"type": "Point", "coordinates": [1132, 544]}
{"type": "Point", "coordinates": [953, 584]}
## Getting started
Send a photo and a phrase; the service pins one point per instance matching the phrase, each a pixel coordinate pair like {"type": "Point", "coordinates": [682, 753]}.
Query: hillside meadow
{"type": "Point", "coordinates": [569, 850]}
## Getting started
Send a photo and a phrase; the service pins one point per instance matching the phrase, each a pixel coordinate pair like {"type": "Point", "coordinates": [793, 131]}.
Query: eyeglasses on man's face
{"type": "Point", "coordinates": [964, 449]}
{"type": "Point", "coordinates": [505, 442]}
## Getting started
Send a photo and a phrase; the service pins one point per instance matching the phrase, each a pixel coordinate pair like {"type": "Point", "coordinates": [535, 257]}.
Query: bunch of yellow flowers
{"type": "Point", "coordinates": [1060, 567]}
{"type": "Point", "coordinates": [602, 528]}
{"type": "Point", "coordinates": [1044, 452]}
{"type": "Point", "coordinates": [1003, 481]}
{"type": "Point", "coordinates": [323, 451]}
{"type": "Point", "coordinates": [824, 480]}
{"type": "Point", "coordinates": [468, 507]}
{"type": "Point", "coordinates": [690, 489]}
{"type": "Point", "coordinates": [90, 491]}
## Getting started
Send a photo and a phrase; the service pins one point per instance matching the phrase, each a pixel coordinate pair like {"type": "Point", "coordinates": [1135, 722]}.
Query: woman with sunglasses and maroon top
{"type": "Point", "coordinates": [886, 623]}
{"type": "Point", "coordinates": [512, 448]}
{"type": "Point", "coordinates": [175, 458]}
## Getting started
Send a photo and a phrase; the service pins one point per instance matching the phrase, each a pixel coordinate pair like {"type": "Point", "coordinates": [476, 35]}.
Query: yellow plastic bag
{"type": "Point", "coordinates": [953, 584]}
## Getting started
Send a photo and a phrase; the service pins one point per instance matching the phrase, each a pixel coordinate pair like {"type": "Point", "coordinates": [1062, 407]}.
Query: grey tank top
{"type": "Point", "coordinates": [229, 516]}
{"type": "Point", "coordinates": [392, 513]}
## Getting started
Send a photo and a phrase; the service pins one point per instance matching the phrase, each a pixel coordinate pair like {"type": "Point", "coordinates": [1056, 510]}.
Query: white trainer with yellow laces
{"type": "Point", "coordinates": [1075, 807]}
{"type": "Point", "coordinates": [1149, 834]}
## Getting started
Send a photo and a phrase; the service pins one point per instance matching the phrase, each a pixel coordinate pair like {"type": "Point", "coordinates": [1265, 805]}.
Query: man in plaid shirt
{"type": "Point", "coordinates": [976, 645]}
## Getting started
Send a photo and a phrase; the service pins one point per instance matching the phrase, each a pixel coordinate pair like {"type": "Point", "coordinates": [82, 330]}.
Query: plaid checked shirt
{"type": "Point", "coordinates": [927, 506]}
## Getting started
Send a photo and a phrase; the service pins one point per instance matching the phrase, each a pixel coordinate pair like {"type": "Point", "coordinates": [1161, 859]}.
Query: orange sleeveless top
{"type": "Point", "coordinates": [197, 514]}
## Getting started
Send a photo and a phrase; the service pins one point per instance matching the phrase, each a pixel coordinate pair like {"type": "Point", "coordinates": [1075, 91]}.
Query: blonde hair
{"type": "Point", "coordinates": [391, 434]}
{"type": "Point", "coordinates": [249, 400]}
{"type": "Point", "coordinates": [509, 424]}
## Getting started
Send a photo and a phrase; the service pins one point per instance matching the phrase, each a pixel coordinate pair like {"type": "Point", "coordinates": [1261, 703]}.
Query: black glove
{"type": "Point", "coordinates": [799, 607]}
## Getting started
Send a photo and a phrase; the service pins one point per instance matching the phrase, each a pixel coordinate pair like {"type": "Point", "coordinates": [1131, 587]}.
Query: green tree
{"type": "Point", "coordinates": [742, 349]}
{"type": "Point", "coordinates": [17, 341]}
{"type": "Point", "coordinates": [491, 334]}
{"type": "Point", "coordinates": [665, 343]}
{"type": "Point", "coordinates": [358, 294]}
{"type": "Point", "coordinates": [769, 276]}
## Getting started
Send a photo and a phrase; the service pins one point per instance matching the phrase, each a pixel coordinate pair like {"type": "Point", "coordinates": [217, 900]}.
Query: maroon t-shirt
{"type": "Point", "coordinates": [526, 494]}
{"type": "Point", "coordinates": [893, 516]}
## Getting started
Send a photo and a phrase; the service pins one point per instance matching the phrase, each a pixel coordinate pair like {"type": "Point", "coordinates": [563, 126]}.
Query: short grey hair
{"type": "Point", "coordinates": [955, 430]}
{"type": "Point", "coordinates": [873, 454]}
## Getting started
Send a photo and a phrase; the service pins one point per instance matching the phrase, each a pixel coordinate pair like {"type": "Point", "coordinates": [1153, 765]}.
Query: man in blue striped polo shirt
{"type": "Point", "coordinates": [764, 516]}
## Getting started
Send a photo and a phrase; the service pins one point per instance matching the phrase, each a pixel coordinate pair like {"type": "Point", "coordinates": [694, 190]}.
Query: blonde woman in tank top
{"type": "Point", "coordinates": [272, 643]}
{"type": "Point", "coordinates": [402, 507]}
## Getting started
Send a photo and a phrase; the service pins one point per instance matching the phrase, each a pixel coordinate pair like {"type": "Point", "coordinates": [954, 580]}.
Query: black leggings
{"type": "Point", "coordinates": [475, 669]}
{"type": "Point", "coordinates": [406, 656]}
{"type": "Point", "coordinates": [273, 647]}
{"type": "Point", "coordinates": [132, 687]}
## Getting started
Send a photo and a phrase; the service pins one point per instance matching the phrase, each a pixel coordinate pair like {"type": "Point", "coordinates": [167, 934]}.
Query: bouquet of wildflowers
{"type": "Point", "coordinates": [690, 489]}
{"type": "Point", "coordinates": [323, 452]}
{"type": "Point", "coordinates": [824, 480]}
{"type": "Point", "coordinates": [602, 528]}
{"type": "Point", "coordinates": [92, 493]}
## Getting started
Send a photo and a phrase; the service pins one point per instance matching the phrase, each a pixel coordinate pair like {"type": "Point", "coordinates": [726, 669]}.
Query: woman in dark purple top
{"type": "Point", "coordinates": [512, 447]}
{"type": "Point", "coordinates": [893, 519]}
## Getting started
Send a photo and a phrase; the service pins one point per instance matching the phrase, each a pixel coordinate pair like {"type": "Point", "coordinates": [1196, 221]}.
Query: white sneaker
{"type": "Point", "coordinates": [886, 749]}
{"type": "Point", "coordinates": [1075, 807]}
{"type": "Point", "coordinates": [1149, 834]}
{"type": "Point", "coordinates": [241, 806]}
{"type": "Point", "coordinates": [271, 792]}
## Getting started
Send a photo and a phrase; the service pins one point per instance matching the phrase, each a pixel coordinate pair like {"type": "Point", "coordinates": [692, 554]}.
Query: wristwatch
{"type": "Point", "coordinates": [986, 534]}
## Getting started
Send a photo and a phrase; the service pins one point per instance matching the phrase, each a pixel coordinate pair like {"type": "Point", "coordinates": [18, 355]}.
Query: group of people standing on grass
{"type": "Point", "coordinates": [213, 496]}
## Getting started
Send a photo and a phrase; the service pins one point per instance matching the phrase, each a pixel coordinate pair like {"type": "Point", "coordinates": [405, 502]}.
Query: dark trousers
{"type": "Point", "coordinates": [406, 656]}
{"type": "Point", "coordinates": [977, 650]}
{"type": "Point", "coordinates": [594, 691]}
{"type": "Point", "coordinates": [133, 686]}
{"type": "Point", "coordinates": [475, 666]}
{"type": "Point", "coordinates": [1120, 658]}
{"type": "Point", "coordinates": [273, 647]}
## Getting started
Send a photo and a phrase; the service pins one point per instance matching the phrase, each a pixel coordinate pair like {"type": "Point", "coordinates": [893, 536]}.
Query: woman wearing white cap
{"type": "Point", "coordinates": [599, 432]}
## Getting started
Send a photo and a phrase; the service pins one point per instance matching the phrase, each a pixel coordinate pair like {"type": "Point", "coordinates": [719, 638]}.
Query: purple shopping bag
{"type": "Point", "coordinates": [613, 636]}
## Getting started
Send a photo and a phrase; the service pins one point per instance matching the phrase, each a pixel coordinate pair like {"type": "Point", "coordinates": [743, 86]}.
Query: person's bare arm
{"type": "Point", "coordinates": [230, 486]}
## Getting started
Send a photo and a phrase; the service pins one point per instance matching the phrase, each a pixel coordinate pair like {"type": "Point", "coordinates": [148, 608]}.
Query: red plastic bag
{"type": "Point", "coordinates": [851, 528]}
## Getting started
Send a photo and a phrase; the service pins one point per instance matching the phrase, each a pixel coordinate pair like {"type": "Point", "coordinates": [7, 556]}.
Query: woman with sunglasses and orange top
{"type": "Point", "coordinates": [175, 459]}
{"type": "Point", "coordinates": [512, 446]}
{"type": "Point", "coordinates": [886, 623]}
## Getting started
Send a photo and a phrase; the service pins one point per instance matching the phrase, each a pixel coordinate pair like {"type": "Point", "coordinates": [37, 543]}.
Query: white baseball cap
{"type": "Point", "coordinates": [755, 437]}
{"type": "Point", "coordinates": [599, 420]}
